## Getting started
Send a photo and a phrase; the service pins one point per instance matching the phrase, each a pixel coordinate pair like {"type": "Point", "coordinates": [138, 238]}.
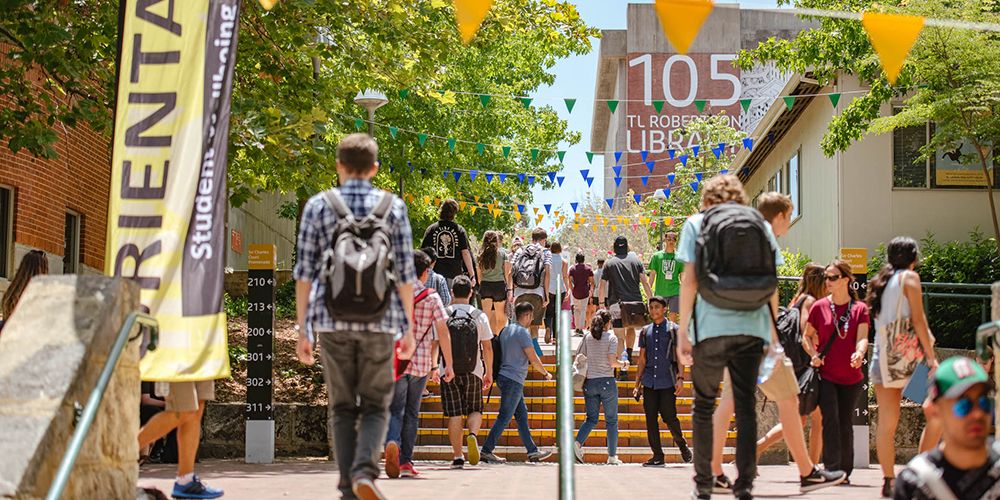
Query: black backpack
{"type": "Point", "coordinates": [498, 352]}
{"type": "Point", "coordinates": [358, 268]}
{"type": "Point", "coordinates": [790, 336]}
{"type": "Point", "coordinates": [735, 258]}
{"type": "Point", "coordinates": [528, 264]}
{"type": "Point", "coordinates": [464, 334]}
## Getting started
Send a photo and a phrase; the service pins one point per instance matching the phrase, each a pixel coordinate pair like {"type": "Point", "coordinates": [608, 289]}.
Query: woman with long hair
{"type": "Point", "coordinates": [600, 387]}
{"type": "Point", "coordinates": [838, 325]}
{"type": "Point", "coordinates": [494, 273]}
{"type": "Point", "coordinates": [32, 264]}
{"type": "Point", "coordinates": [896, 289]}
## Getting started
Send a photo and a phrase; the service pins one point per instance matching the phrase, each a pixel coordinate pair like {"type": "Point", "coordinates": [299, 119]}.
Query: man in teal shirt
{"type": "Point", "coordinates": [665, 271]}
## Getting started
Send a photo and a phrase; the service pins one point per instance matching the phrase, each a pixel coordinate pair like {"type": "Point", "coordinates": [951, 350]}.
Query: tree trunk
{"type": "Point", "coordinates": [989, 193]}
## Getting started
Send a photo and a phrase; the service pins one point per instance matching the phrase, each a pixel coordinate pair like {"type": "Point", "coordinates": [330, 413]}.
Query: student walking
{"type": "Point", "coordinates": [558, 279]}
{"type": "Point", "coordinates": [450, 243]}
{"type": "Point", "coordinates": [620, 293]}
{"type": "Point", "coordinates": [582, 285]}
{"type": "Point", "coordinates": [594, 300]}
{"type": "Point", "coordinates": [665, 272]}
{"type": "Point", "coordinates": [967, 464]}
{"type": "Point", "coordinates": [516, 352]}
{"type": "Point", "coordinates": [359, 393]}
{"type": "Point", "coordinates": [600, 388]}
{"type": "Point", "coordinates": [838, 327]}
{"type": "Point", "coordinates": [494, 271]}
{"type": "Point", "coordinates": [530, 272]}
{"type": "Point", "coordinates": [472, 351]}
{"type": "Point", "coordinates": [429, 320]}
{"type": "Point", "coordinates": [658, 381]}
{"type": "Point", "coordinates": [435, 281]}
{"type": "Point", "coordinates": [895, 295]}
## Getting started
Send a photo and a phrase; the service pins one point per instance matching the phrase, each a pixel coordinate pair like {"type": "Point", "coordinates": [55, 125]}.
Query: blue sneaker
{"type": "Point", "coordinates": [195, 489]}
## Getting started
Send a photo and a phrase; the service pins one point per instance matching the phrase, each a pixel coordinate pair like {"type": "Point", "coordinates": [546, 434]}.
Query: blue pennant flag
{"type": "Point", "coordinates": [717, 152]}
{"type": "Point", "coordinates": [644, 154]}
{"type": "Point", "coordinates": [503, 178]}
{"type": "Point", "coordinates": [666, 192]}
{"type": "Point", "coordinates": [521, 177]}
{"type": "Point", "coordinates": [684, 160]}
{"type": "Point", "coordinates": [650, 165]}
{"type": "Point", "coordinates": [520, 208]}
{"type": "Point", "coordinates": [445, 174]}
{"type": "Point", "coordinates": [548, 207]}
{"type": "Point", "coordinates": [770, 137]}
{"type": "Point", "coordinates": [560, 180]}
{"type": "Point", "coordinates": [573, 206]}
{"type": "Point", "coordinates": [611, 203]}
{"type": "Point", "coordinates": [552, 176]}
{"type": "Point", "coordinates": [694, 186]}
{"type": "Point", "coordinates": [723, 171]}
{"type": "Point", "coordinates": [618, 157]}
{"type": "Point", "coordinates": [645, 180]}
{"type": "Point", "coordinates": [423, 172]}
{"type": "Point", "coordinates": [671, 153]}
{"type": "Point", "coordinates": [584, 173]}
{"type": "Point", "coordinates": [698, 176]}
{"type": "Point", "coordinates": [638, 198]}
{"type": "Point", "coordinates": [618, 181]}
{"type": "Point", "coordinates": [722, 146]}
{"type": "Point", "coordinates": [748, 143]}
{"type": "Point", "coordinates": [489, 178]}
{"type": "Point", "coordinates": [473, 174]}
{"type": "Point", "coordinates": [695, 149]}
{"type": "Point", "coordinates": [531, 180]}
{"type": "Point", "coordinates": [618, 170]}
{"type": "Point", "coordinates": [411, 166]}
{"type": "Point", "coordinates": [670, 178]}
{"type": "Point", "coordinates": [392, 168]}
{"type": "Point", "coordinates": [458, 175]}
{"type": "Point", "coordinates": [590, 181]}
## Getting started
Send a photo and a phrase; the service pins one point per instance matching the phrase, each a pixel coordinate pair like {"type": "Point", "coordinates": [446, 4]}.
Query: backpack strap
{"type": "Point", "coordinates": [930, 478]}
{"type": "Point", "coordinates": [336, 202]}
{"type": "Point", "coordinates": [383, 207]}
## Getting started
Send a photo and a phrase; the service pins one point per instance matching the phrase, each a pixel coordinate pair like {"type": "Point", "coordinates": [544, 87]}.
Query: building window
{"type": "Point", "coordinates": [6, 231]}
{"type": "Point", "coordinates": [944, 169]}
{"type": "Point", "coordinates": [794, 186]}
{"type": "Point", "coordinates": [71, 252]}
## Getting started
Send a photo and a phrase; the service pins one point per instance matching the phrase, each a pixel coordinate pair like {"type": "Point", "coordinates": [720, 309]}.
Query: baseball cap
{"type": "Point", "coordinates": [621, 245]}
{"type": "Point", "coordinates": [956, 375]}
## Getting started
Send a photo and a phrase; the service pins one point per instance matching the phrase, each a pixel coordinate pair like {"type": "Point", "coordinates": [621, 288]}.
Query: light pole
{"type": "Point", "coordinates": [372, 100]}
{"type": "Point", "coordinates": [660, 198]}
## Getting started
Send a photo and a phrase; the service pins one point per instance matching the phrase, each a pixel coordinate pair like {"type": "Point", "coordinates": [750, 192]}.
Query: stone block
{"type": "Point", "coordinates": [911, 425]}
{"type": "Point", "coordinates": [52, 351]}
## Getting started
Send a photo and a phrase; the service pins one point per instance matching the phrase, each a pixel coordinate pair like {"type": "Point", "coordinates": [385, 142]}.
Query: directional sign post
{"type": "Point", "coordinates": [260, 353]}
{"type": "Point", "coordinates": [858, 259]}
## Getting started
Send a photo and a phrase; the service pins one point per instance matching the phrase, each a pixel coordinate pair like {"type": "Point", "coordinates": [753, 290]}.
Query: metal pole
{"type": "Point", "coordinates": [371, 122]}
{"type": "Point", "coordinates": [564, 406]}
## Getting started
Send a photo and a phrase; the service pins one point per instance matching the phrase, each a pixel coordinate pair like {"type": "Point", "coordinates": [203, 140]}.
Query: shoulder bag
{"type": "Point", "coordinates": [580, 365]}
{"type": "Point", "coordinates": [900, 350]}
{"type": "Point", "coordinates": [809, 382]}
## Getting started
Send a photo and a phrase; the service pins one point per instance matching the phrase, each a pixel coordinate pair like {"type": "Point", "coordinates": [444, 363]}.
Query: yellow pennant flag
{"type": "Point", "coordinates": [462, 205]}
{"type": "Point", "coordinates": [476, 197]}
{"type": "Point", "coordinates": [539, 219]}
{"type": "Point", "coordinates": [576, 227]}
{"type": "Point", "coordinates": [495, 212]}
{"type": "Point", "coordinates": [614, 227]}
{"type": "Point", "coordinates": [517, 215]}
{"type": "Point", "coordinates": [682, 19]}
{"type": "Point", "coordinates": [470, 14]}
{"type": "Point", "coordinates": [427, 200]}
{"type": "Point", "coordinates": [536, 210]}
{"type": "Point", "coordinates": [583, 220]}
{"type": "Point", "coordinates": [556, 212]}
{"type": "Point", "coordinates": [437, 201]}
{"type": "Point", "coordinates": [669, 221]}
{"type": "Point", "coordinates": [472, 210]}
{"type": "Point", "coordinates": [268, 4]}
{"type": "Point", "coordinates": [594, 228]}
{"type": "Point", "coordinates": [892, 36]}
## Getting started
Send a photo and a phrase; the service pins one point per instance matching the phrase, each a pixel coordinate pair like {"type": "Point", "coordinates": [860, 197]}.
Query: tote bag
{"type": "Point", "coordinates": [580, 366]}
{"type": "Point", "coordinates": [899, 349]}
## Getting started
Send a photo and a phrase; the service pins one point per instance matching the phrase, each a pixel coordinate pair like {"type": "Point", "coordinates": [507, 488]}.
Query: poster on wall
{"type": "Point", "coordinates": [950, 171]}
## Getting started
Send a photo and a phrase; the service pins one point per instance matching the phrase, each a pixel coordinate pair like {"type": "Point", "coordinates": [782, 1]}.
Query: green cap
{"type": "Point", "coordinates": [956, 375]}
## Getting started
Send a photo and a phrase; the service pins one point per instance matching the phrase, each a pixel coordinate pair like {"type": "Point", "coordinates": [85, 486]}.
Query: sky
{"type": "Point", "coordinates": [576, 77]}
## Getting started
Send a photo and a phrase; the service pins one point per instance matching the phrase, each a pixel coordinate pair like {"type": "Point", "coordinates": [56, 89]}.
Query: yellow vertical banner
{"type": "Point", "coordinates": [892, 37]}
{"type": "Point", "coordinates": [168, 197]}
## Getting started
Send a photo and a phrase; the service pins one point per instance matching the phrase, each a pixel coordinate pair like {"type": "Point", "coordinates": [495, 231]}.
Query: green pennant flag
{"type": "Point", "coordinates": [561, 155]}
{"type": "Point", "coordinates": [451, 143]}
{"type": "Point", "coordinates": [569, 104]}
{"type": "Point", "coordinates": [403, 93]}
{"type": "Point", "coordinates": [745, 104]}
{"type": "Point", "coordinates": [834, 99]}
{"type": "Point", "coordinates": [700, 105]}
{"type": "Point", "coordinates": [526, 102]}
{"type": "Point", "coordinates": [534, 154]}
{"type": "Point", "coordinates": [506, 151]}
{"type": "Point", "coordinates": [590, 157]}
{"type": "Point", "coordinates": [484, 99]}
{"type": "Point", "coordinates": [442, 92]}
{"type": "Point", "coordinates": [358, 122]}
{"type": "Point", "coordinates": [612, 105]}
{"type": "Point", "coordinates": [789, 101]}
{"type": "Point", "coordinates": [658, 106]}
{"type": "Point", "coordinates": [481, 148]}
{"type": "Point", "coordinates": [393, 131]}
{"type": "Point", "coordinates": [422, 138]}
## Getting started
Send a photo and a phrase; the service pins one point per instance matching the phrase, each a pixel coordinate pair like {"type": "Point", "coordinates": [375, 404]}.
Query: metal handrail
{"type": "Point", "coordinates": [564, 401]}
{"type": "Point", "coordinates": [96, 395]}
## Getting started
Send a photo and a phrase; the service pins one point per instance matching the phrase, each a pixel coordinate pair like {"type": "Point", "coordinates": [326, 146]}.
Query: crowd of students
{"type": "Point", "coordinates": [679, 310]}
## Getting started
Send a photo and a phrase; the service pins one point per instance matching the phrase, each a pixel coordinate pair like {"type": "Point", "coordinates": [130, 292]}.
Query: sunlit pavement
{"type": "Point", "coordinates": [316, 478]}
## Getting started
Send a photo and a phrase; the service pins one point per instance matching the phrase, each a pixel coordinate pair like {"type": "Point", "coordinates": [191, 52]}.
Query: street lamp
{"type": "Point", "coordinates": [660, 198]}
{"type": "Point", "coordinates": [371, 100]}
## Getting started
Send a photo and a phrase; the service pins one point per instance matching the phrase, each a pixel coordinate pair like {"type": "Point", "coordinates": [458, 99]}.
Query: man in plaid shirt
{"type": "Point", "coordinates": [357, 357]}
{"type": "Point", "coordinates": [431, 332]}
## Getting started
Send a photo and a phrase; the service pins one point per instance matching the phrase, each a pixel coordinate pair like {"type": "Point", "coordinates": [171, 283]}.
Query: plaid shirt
{"type": "Point", "coordinates": [425, 314]}
{"type": "Point", "coordinates": [316, 235]}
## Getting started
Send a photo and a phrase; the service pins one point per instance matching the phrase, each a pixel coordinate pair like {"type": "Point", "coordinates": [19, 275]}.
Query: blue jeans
{"type": "Point", "coordinates": [511, 405]}
{"type": "Point", "coordinates": [404, 414]}
{"type": "Point", "coordinates": [597, 392]}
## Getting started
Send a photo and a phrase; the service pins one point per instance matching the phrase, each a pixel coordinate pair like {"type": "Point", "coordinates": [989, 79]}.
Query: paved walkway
{"type": "Point", "coordinates": [316, 478]}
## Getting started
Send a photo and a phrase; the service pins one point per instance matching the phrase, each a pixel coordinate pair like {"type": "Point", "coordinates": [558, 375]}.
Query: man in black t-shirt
{"type": "Point", "coordinates": [620, 293]}
{"type": "Point", "coordinates": [964, 466]}
{"type": "Point", "coordinates": [450, 243]}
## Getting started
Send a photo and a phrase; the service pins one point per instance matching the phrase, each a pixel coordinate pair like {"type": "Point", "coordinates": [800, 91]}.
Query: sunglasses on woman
{"type": "Point", "coordinates": [963, 406]}
{"type": "Point", "coordinates": [833, 277]}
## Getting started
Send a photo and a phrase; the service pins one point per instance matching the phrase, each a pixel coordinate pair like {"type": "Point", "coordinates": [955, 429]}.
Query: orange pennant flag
{"type": "Point", "coordinates": [268, 4]}
{"type": "Point", "coordinates": [670, 221]}
{"type": "Point", "coordinates": [594, 228]}
{"type": "Point", "coordinates": [539, 219]}
{"type": "Point", "coordinates": [536, 210]}
{"type": "Point", "coordinates": [472, 210]}
{"type": "Point", "coordinates": [576, 227]}
{"type": "Point", "coordinates": [427, 200]}
{"type": "Point", "coordinates": [462, 205]}
{"type": "Point", "coordinates": [476, 198]}
{"type": "Point", "coordinates": [470, 15]}
{"type": "Point", "coordinates": [682, 19]}
{"type": "Point", "coordinates": [892, 36]}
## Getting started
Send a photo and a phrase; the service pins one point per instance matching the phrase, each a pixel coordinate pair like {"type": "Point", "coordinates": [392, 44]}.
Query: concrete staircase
{"type": "Point", "coordinates": [540, 397]}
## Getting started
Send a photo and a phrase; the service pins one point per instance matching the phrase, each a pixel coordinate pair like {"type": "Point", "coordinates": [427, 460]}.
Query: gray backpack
{"type": "Point", "coordinates": [528, 267]}
{"type": "Point", "coordinates": [358, 269]}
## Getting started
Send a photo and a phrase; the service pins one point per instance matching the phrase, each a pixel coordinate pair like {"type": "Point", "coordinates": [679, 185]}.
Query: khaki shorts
{"type": "Point", "coordinates": [184, 396]}
{"type": "Point", "coordinates": [536, 302]}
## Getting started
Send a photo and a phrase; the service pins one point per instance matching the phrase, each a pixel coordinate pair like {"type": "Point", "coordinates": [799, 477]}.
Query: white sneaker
{"type": "Point", "coordinates": [578, 451]}
{"type": "Point", "coordinates": [613, 460]}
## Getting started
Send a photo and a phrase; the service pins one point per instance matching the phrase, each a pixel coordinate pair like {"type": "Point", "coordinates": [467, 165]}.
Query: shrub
{"type": "Point", "coordinates": [793, 267]}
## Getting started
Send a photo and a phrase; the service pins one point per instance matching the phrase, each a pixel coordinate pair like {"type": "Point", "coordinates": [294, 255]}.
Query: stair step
{"type": "Point", "coordinates": [548, 437]}
{"type": "Point", "coordinates": [578, 417]}
{"type": "Point", "coordinates": [592, 454]}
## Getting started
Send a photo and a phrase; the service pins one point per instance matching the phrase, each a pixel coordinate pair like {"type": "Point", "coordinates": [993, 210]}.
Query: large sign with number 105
{"type": "Point", "coordinates": [679, 78]}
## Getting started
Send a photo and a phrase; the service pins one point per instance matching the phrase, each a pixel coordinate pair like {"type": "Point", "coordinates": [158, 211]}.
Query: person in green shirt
{"type": "Point", "coordinates": [665, 272]}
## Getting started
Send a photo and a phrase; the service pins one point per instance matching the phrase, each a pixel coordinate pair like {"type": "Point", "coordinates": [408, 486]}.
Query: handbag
{"type": "Point", "coordinates": [400, 365]}
{"type": "Point", "coordinates": [809, 382]}
{"type": "Point", "coordinates": [900, 350]}
{"type": "Point", "coordinates": [580, 367]}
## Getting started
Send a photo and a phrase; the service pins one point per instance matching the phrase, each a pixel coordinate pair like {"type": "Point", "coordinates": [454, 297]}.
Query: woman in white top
{"type": "Point", "coordinates": [897, 288]}
{"type": "Point", "coordinates": [559, 276]}
{"type": "Point", "coordinates": [600, 387]}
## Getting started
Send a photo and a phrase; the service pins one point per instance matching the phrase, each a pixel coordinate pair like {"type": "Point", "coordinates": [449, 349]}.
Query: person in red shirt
{"type": "Point", "coordinates": [841, 320]}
